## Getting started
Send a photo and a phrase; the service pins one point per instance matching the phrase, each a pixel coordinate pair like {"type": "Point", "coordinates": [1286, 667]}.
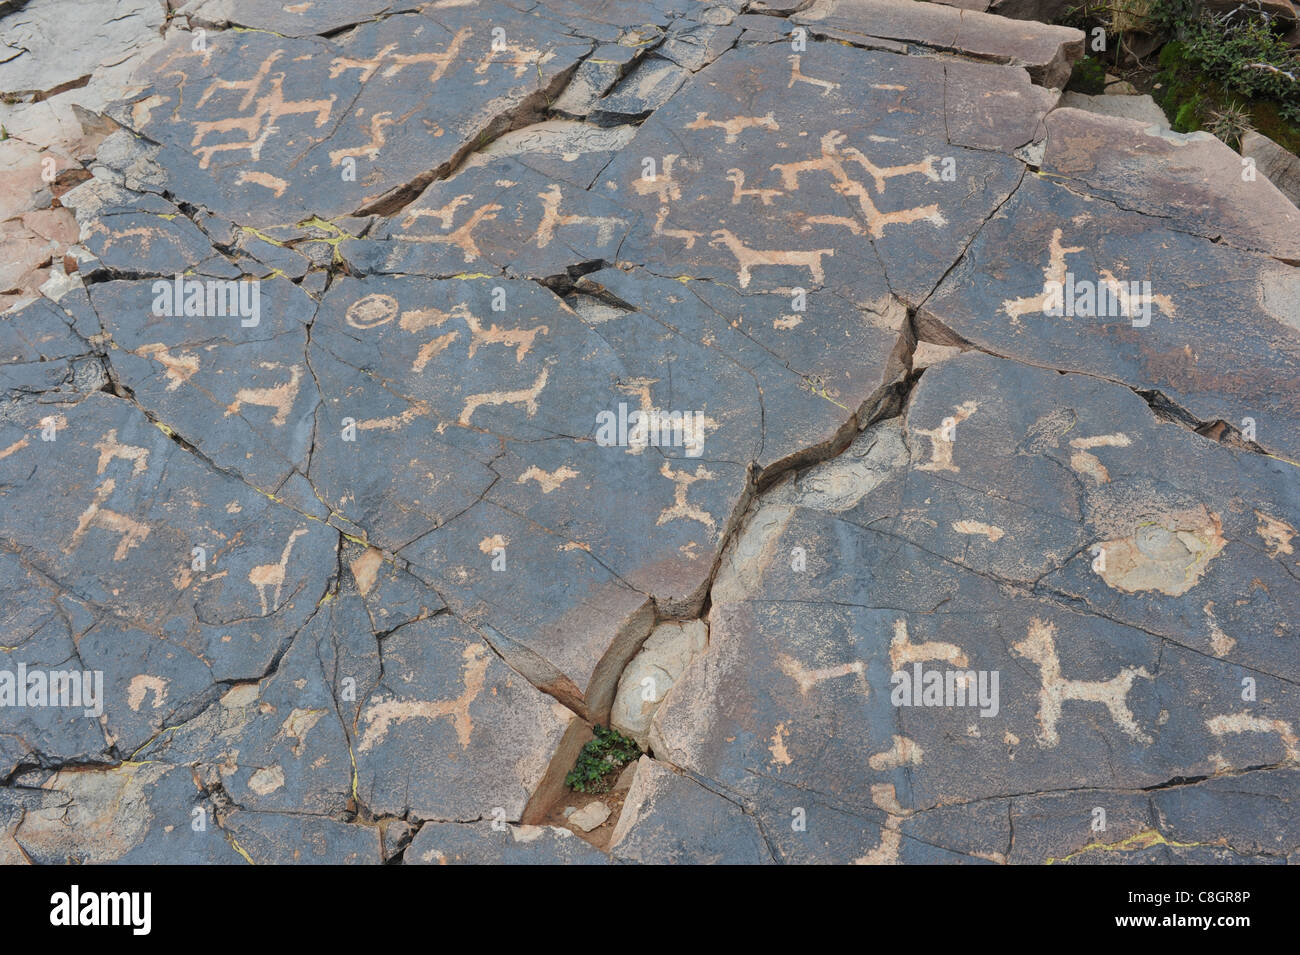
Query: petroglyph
{"type": "Point", "coordinates": [1089, 464]}
{"type": "Point", "coordinates": [738, 192]}
{"type": "Point", "coordinates": [525, 396]}
{"type": "Point", "coordinates": [270, 577]}
{"type": "Point", "coordinates": [461, 237]}
{"type": "Point", "coordinates": [96, 515]}
{"type": "Point", "coordinates": [885, 796]}
{"type": "Point", "coordinates": [685, 235]}
{"type": "Point", "coordinates": [275, 184]}
{"type": "Point", "coordinates": [394, 63]}
{"type": "Point", "coordinates": [903, 651]}
{"type": "Point", "coordinates": [378, 123]}
{"type": "Point", "coordinates": [141, 686]}
{"type": "Point", "coordinates": [279, 397]}
{"type": "Point", "coordinates": [177, 369]}
{"type": "Point", "coordinates": [109, 448]}
{"type": "Point", "coordinates": [777, 747]}
{"type": "Point", "coordinates": [943, 438]}
{"type": "Point", "coordinates": [749, 259]}
{"type": "Point", "coordinates": [797, 76]}
{"type": "Point", "coordinates": [734, 127]}
{"type": "Point", "coordinates": [1165, 552]}
{"type": "Point", "coordinates": [682, 509]}
{"type": "Point", "coordinates": [553, 219]}
{"type": "Point", "coordinates": [1276, 534]}
{"type": "Point", "coordinates": [992, 532]}
{"type": "Point", "coordinates": [807, 678]}
{"type": "Point", "coordinates": [548, 482]}
{"type": "Point", "coordinates": [1039, 646]}
{"type": "Point", "coordinates": [904, 752]}
{"type": "Point", "coordinates": [833, 160]}
{"type": "Point", "coordinates": [662, 184]}
{"type": "Point", "coordinates": [1220, 643]}
{"type": "Point", "coordinates": [1232, 723]}
{"type": "Point", "coordinates": [257, 126]}
{"type": "Point", "coordinates": [1053, 276]}
{"type": "Point", "coordinates": [371, 311]}
{"type": "Point", "coordinates": [445, 214]}
{"type": "Point", "coordinates": [383, 714]}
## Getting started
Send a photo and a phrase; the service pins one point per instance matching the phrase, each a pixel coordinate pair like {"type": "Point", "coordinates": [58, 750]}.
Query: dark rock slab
{"type": "Point", "coordinates": [237, 386]}
{"type": "Point", "coordinates": [282, 128]}
{"type": "Point", "coordinates": [1225, 349]}
{"type": "Point", "coordinates": [1047, 52]}
{"type": "Point", "coordinates": [1195, 180]}
{"type": "Point", "coordinates": [832, 168]}
{"type": "Point", "coordinates": [439, 843]}
{"type": "Point", "coordinates": [671, 819]}
{"type": "Point", "coordinates": [118, 540]}
{"type": "Point", "coordinates": [451, 732]}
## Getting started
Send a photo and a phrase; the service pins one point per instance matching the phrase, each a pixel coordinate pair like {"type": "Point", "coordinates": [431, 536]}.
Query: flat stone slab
{"type": "Point", "coordinates": [403, 392]}
{"type": "Point", "coordinates": [1193, 178]}
{"type": "Point", "coordinates": [1047, 52]}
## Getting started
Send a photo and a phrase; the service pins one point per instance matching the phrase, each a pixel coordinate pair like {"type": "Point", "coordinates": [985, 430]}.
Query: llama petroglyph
{"type": "Point", "coordinates": [109, 448]}
{"type": "Point", "coordinates": [275, 184]}
{"type": "Point", "coordinates": [258, 125]}
{"type": "Point", "coordinates": [378, 123]}
{"type": "Point", "coordinates": [943, 438]}
{"type": "Point", "coordinates": [662, 184]}
{"type": "Point", "coordinates": [1053, 275]}
{"type": "Point", "coordinates": [96, 515]}
{"type": "Point", "coordinates": [734, 127]}
{"type": "Point", "coordinates": [445, 215]}
{"type": "Point", "coordinates": [270, 577]}
{"type": "Point", "coordinates": [394, 63]}
{"type": "Point", "coordinates": [278, 397]}
{"type": "Point", "coordinates": [807, 678]}
{"type": "Point", "coordinates": [382, 714]}
{"type": "Point", "coordinates": [903, 651]}
{"type": "Point", "coordinates": [737, 179]}
{"type": "Point", "coordinates": [685, 235]}
{"type": "Point", "coordinates": [1039, 647]}
{"type": "Point", "coordinates": [797, 76]}
{"type": "Point", "coordinates": [523, 396]}
{"type": "Point", "coordinates": [553, 219]}
{"type": "Point", "coordinates": [748, 259]}
{"type": "Point", "coordinates": [462, 237]}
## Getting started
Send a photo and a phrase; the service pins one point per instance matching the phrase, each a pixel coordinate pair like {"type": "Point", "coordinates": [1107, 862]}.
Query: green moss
{"type": "Point", "coordinates": [600, 760]}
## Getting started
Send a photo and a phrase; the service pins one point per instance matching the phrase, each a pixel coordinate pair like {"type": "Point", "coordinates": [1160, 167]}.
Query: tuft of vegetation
{"type": "Point", "coordinates": [600, 760]}
{"type": "Point", "coordinates": [1088, 76]}
{"type": "Point", "coordinates": [1230, 124]}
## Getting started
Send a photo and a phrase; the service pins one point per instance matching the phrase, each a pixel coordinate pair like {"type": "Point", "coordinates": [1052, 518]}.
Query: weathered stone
{"type": "Point", "coordinates": [353, 567]}
{"type": "Point", "coordinates": [1194, 178]}
{"type": "Point", "coordinates": [1047, 52]}
{"type": "Point", "coordinates": [669, 818]}
{"type": "Point", "coordinates": [590, 816]}
{"type": "Point", "coordinates": [1140, 108]}
{"type": "Point", "coordinates": [647, 679]}
{"type": "Point", "coordinates": [1279, 166]}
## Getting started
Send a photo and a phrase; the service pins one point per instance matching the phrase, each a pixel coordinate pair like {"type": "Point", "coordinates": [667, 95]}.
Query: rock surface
{"type": "Point", "coordinates": [391, 390]}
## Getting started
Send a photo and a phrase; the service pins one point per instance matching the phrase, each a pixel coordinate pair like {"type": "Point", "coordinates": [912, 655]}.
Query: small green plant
{"type": "Point", "coordinates": [603, 756]}
{"type": "Point", "coordinates": [1088, 76]}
